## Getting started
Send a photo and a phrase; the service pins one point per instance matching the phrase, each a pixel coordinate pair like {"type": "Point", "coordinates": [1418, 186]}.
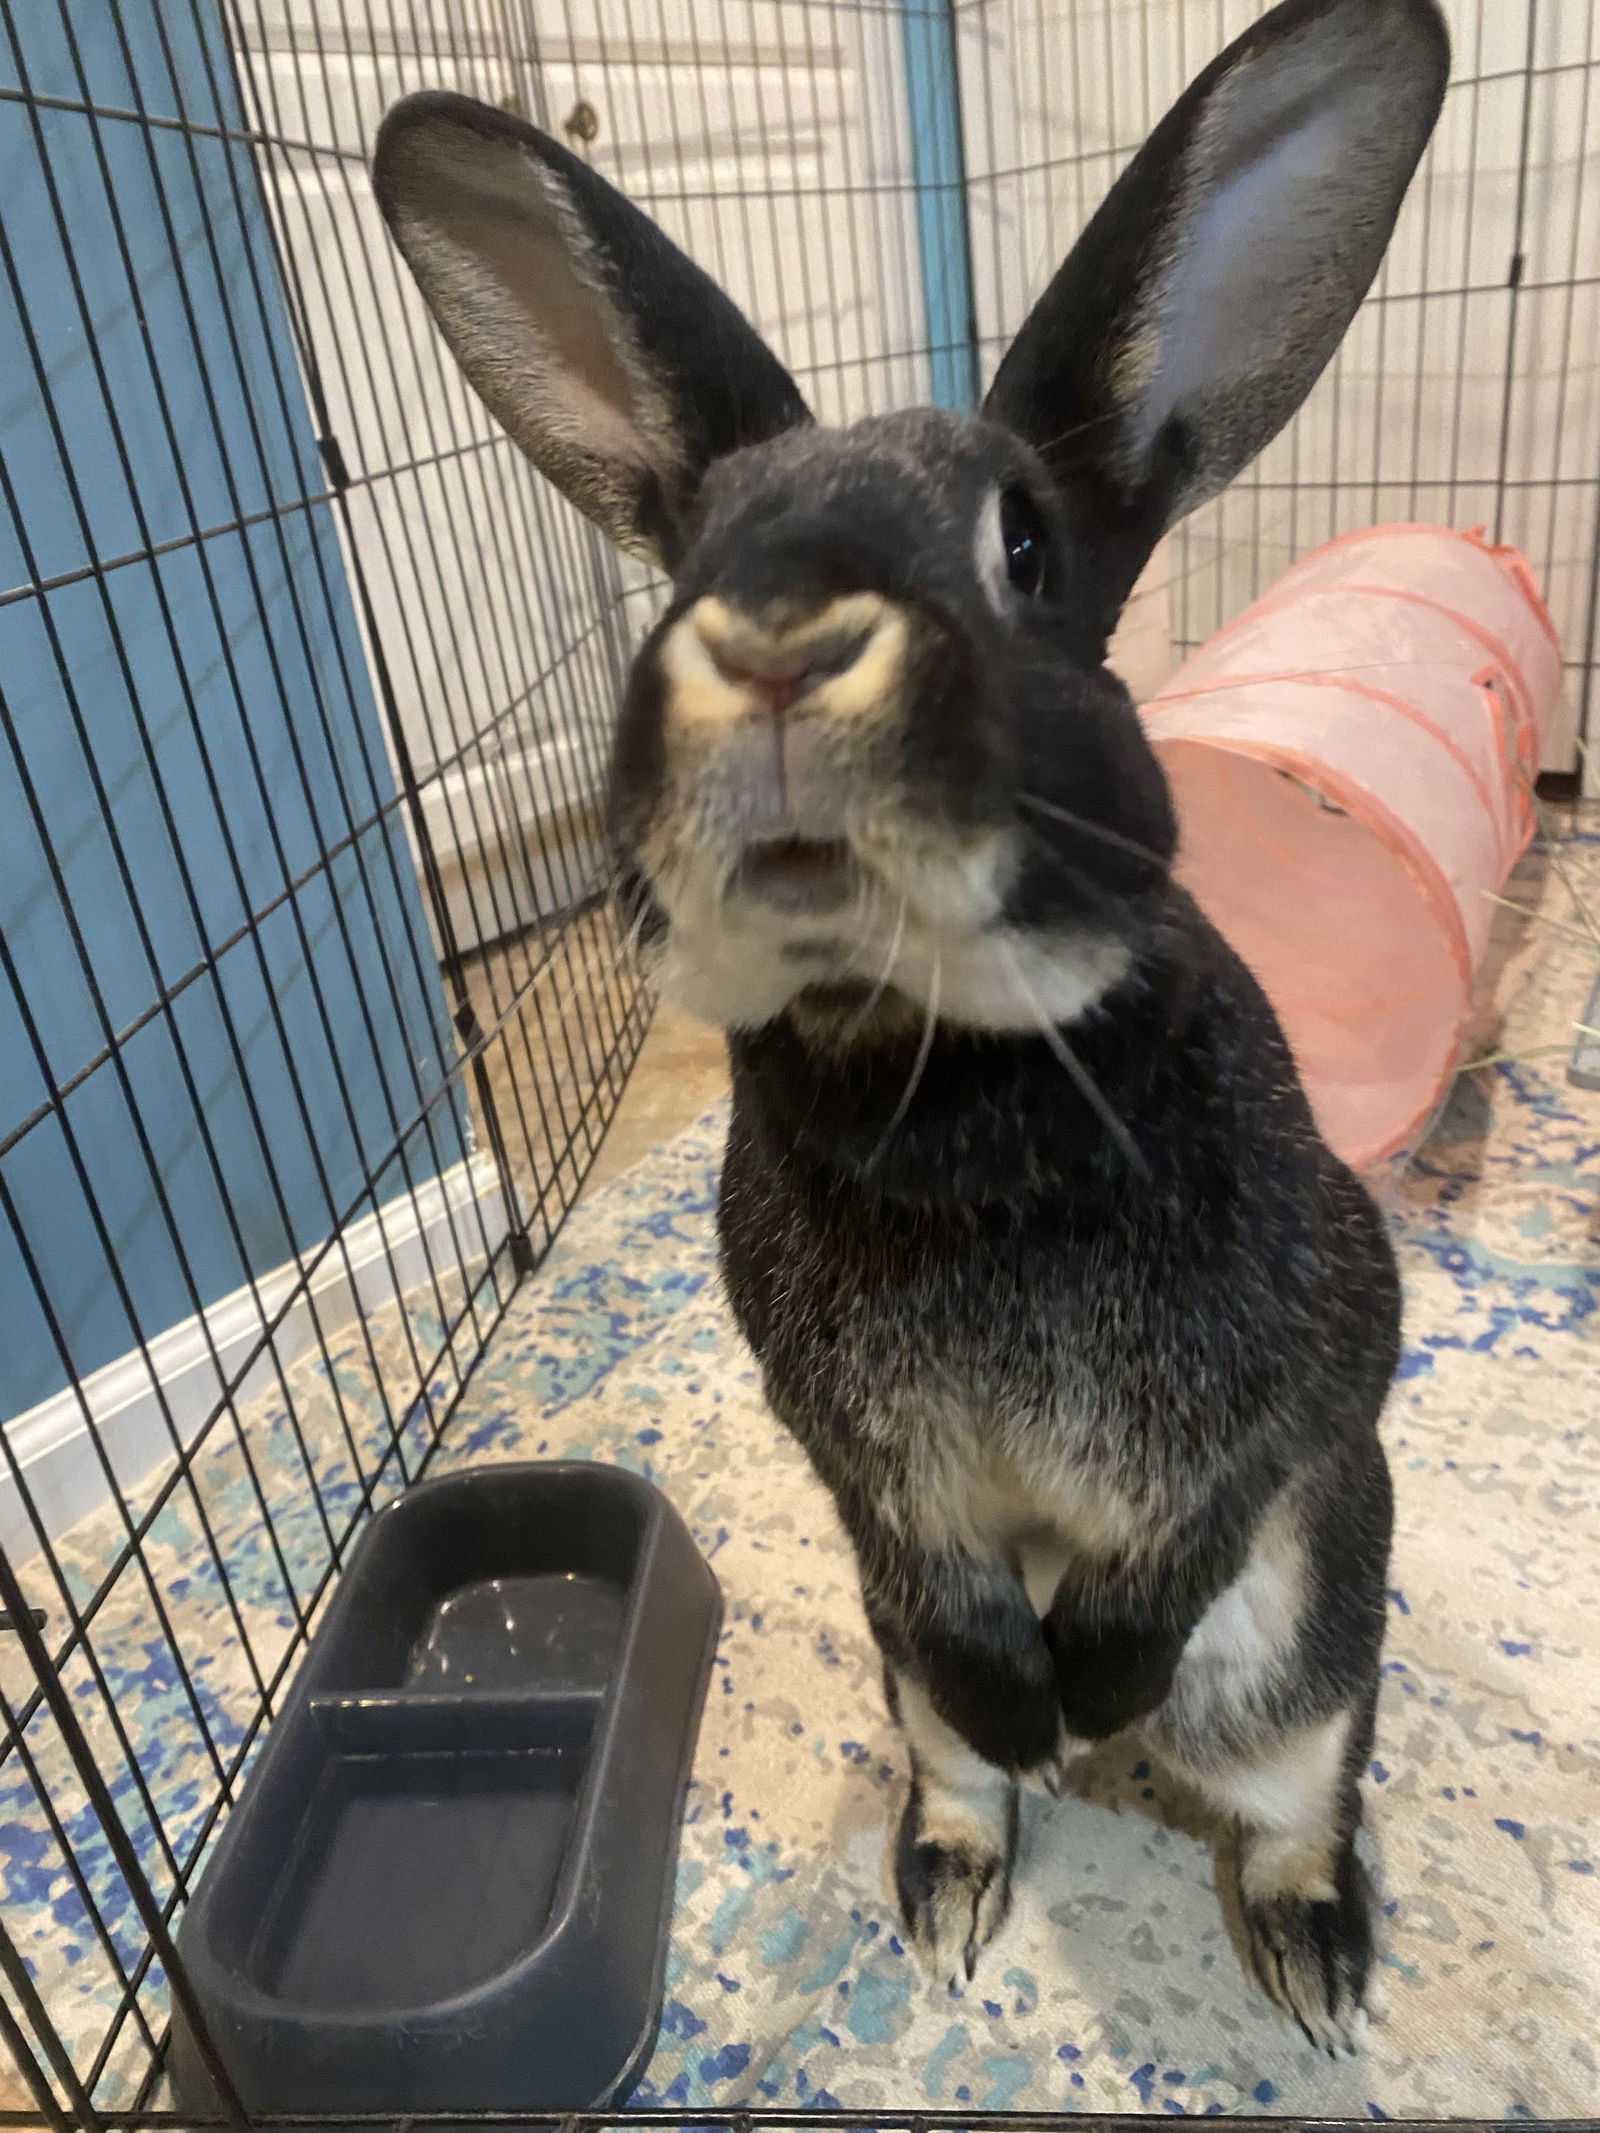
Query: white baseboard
{"type": "Point", "coordinates": [387, 1252]}
{"type": "Point", "coordinates": [500, 865]}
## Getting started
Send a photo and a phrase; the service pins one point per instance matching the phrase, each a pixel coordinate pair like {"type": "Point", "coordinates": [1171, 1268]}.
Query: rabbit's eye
{"type": "Point", "coordinates": [1023, 536]}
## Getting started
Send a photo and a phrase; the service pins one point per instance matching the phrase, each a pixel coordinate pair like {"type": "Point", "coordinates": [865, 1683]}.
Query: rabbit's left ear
{"type": "Point", "coordinates": [1211, 289]}
{"type": "Point", "coordinates": [619, 367]}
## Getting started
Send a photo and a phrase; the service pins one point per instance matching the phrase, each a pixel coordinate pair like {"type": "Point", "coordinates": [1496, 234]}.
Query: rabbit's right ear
{"type": "Point", "coordinates": [1208, 293]}
{"type": "Point", "coordinates": [618, 366]}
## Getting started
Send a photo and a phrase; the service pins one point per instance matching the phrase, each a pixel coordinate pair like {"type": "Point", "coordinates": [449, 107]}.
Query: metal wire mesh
{"type": "Point", "coordinates": [317, 1011]}
{"type": "Point", "coordinates": [1466, 391]}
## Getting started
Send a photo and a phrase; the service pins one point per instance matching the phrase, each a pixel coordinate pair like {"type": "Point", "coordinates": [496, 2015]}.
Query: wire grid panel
{"type": "Point", "coordinates": [307, 688]}
{"type": "Point", "coordinates": [261, 377]}
{"type": "Point", "coordinates": [1467, 391]}
{"type": "Point", "coordinates": [492, 608]}
{"type": "Point", "coordinates": [769, 137]}
{"type": "Point", "coordinates": [491, 627]}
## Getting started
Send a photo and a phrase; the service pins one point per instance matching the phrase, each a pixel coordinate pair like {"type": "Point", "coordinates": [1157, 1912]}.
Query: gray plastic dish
{"type": "Point", "coordinates": [448, 1882]}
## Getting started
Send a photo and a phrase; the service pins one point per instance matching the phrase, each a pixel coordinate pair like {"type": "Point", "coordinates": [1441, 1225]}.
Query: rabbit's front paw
{"type": "Point", "coordinates": [953, 1878]}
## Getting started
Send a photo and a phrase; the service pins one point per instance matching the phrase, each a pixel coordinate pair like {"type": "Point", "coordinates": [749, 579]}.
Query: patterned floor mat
{"type": "Point", "coordinates": [1115, 1986]}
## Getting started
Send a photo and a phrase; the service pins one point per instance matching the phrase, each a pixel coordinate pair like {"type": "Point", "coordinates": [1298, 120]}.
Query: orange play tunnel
{"type": "Point", "coordinates": [1352, 761]}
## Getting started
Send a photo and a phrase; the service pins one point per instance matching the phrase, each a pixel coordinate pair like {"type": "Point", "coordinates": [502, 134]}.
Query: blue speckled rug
{"type": "Point", "coordinates": [1115, 1985]}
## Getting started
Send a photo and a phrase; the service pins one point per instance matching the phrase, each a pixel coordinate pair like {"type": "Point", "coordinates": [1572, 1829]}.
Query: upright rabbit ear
{"type": "Point", "coordinates": [618, 366]}
{"type": "Point", "coordinates": [1211, 289]}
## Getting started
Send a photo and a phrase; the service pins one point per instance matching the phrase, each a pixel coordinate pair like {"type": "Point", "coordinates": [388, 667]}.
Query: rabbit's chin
{"type": "Point", "coordinates": [872, 977]}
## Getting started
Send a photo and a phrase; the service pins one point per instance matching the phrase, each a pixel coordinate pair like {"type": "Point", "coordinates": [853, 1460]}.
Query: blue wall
{"type": "Point", "coordinates": [261, 744]}
{"type": "Point", "coordinates": [938, 174]}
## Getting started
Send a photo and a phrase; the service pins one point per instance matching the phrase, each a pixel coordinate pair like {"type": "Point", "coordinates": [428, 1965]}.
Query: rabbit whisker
{"type": "Point", "coordinates": [1533, 1051]}
{"type": "Point", "coordinates": [566, 997]}
{"type": "Point", "coordinates": [1114, 838]}
{"type": "Point", "coordinates": [1084, 1082]}
{"type": "Point", "coordinates": [1563, 872]}
{"type": "Point", "coordinates": [882, 985]}
{"type": "Point", "coordinates": [1080, 429]}
{"type": "Point", "coordinates": [918, 1067]}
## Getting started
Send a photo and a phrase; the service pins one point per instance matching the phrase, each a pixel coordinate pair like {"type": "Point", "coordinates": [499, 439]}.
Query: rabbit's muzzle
{"type": "Point", "coordinates": [814, 782]}
{"type": "Point", "coordinates": [774, 728]}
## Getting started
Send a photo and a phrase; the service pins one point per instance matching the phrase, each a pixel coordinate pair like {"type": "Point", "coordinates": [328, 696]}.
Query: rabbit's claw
{"type": "Point", "coordinates": [1054, 1776]}
{"type": "Point", "coordinates": [953, 1878]}
{"type": "Point", "coordinates": [1312, 1956]}
{"type": "Point", "coordinates": [954, 1905]}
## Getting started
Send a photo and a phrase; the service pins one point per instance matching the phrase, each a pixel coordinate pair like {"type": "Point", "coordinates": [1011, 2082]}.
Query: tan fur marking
{"type": "Point", "coordinates": [1133, 364]}
{"type": "Point", "coordinates": [1244, 1638]}
{"type": "Point", "coordinates": [964, 1808]}
{"type": "Point", "coordinates": [782, 637]}
{"type": "Point", "coordinates": [972, 1497]}
{"type": "Point", "coordinates": [1286, 1800]}
{"type": "Point", "coordinates": [964, 1799]}
{"type": "Point", "coordinates": [1285, 1866]}
{"type": "Point", "coordinates": [870, 686]}
{"type": "Point", "coordinates": [1098, 1519]}
{"type": "Point", "coordinates": [1043, 1560]}
{"type": "Point", "coordinates": [701, 695]}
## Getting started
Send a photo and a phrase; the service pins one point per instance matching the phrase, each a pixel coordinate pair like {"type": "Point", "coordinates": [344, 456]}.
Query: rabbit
{"type": "Point", "coordinates": [1023, 1212]}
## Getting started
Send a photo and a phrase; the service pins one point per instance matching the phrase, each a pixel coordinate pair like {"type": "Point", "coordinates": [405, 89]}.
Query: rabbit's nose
{"type": "Point", "coordinates": [776, 685]}
{"type": "Point", "coordinates": [777, 658]}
